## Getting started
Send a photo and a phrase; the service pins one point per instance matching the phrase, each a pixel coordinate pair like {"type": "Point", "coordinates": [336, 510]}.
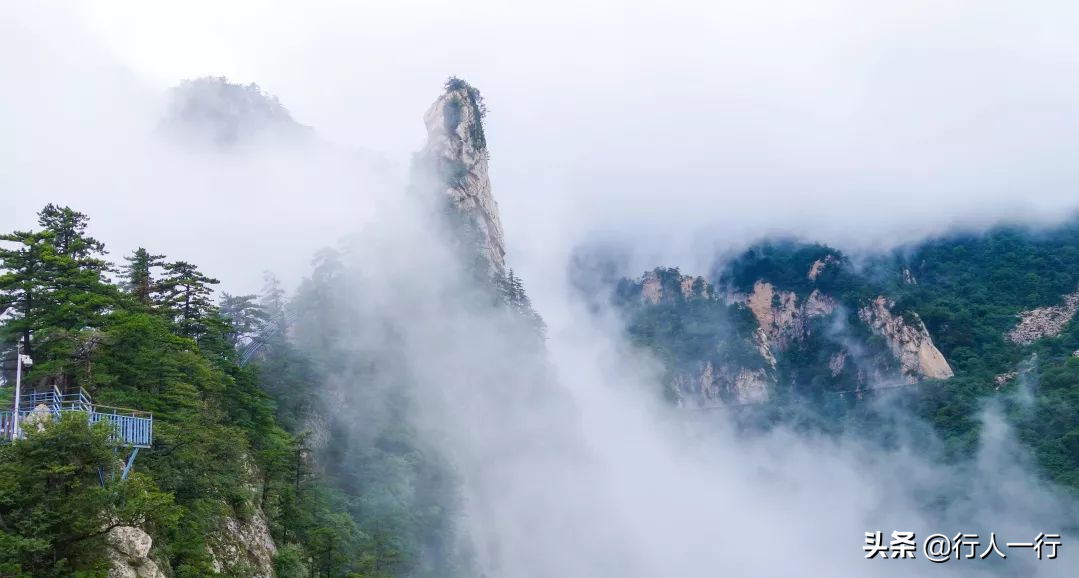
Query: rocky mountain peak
{"type": "Point", "coordinates": [456, 154]}
{"type": "Point", "coordinates": [664, 285]}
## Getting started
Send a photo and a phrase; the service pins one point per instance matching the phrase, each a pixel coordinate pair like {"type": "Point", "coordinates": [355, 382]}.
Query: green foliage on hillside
{"type": "Point", "coordinates": [155, 342]}
{"type": "Point", "coordinates": [686, 328]}
{"type": "Point", "coordinates": [787, 264]}
{"type": "Point", "coordinates": [684, 331]}
{"type": "Point", "coordinates": [56, 514]}
{"type": "Point", "coordinates": [968, 290]}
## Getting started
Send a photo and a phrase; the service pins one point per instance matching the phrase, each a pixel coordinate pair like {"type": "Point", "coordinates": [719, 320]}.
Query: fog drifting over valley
{"type": "Point", "coordinates": [675, 132]}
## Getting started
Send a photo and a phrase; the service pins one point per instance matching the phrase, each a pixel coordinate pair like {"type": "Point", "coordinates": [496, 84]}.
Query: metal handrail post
{"type": "Point", "coordinates": [18, 390]}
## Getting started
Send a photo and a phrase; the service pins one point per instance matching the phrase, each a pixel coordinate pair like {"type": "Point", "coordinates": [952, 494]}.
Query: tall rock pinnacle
{"type": "Point", "coordinates": [456, 153]}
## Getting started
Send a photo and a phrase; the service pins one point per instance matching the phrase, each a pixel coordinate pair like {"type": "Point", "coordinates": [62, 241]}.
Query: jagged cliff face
{"type": "Point", "coordinates": [712, 380]}
{"type": "Point", "coordinates": [653, 291]}
{"type": "Point", "coordinates": [456, 159]}
{"type": "Point", "coordinates": [723, 384]}
{"type": "Point", "coordinates": [909, 342]}
{"type": "Point", "coordinates": [781, 319]}
{"type": "Point", "coordinates": [244, 547]}
{"type": "Point", "coordinates": [743, 346]}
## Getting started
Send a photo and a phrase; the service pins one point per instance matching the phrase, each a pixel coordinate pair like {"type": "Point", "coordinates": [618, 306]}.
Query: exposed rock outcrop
{"type": "Point", "coordinates": [751, 386]}
{"type": "Point", "coordinates": [908, 277]}
{"type": "Point", "coordinates": [720, 385]}
{"type": "Point", "coordinates": [780, 317]}
{"type": "Point", "coordinates": [695, 287]}
{"type": "Point", "coordinates": [837, 362]}
{"type": "Point", "coordinates": [819, 265]}
{"type": "Point", "coordinates": [244, 547]}
{"type": "Point", "coordinates": [760, 339]}
{"type": "Point", "coordinates": [911, 344]}
{"type": "Point", "coordinates": [456, 156]}
{"type": "Point", "coordinates": [129, 554]}
{"type": "Point", "coordinates": [1004, 378]}
{"type": "Point", "coordinates": [652, 289]}
{"type": "Point", "coordinates": [1044, 321]}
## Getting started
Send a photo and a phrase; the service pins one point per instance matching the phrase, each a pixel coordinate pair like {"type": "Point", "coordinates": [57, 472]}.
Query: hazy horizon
{"type": "Point", "coordinates": [674, 133]}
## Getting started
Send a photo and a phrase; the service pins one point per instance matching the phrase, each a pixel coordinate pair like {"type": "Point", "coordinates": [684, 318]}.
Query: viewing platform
{"type": "Point", "coordinates": [129, 428]}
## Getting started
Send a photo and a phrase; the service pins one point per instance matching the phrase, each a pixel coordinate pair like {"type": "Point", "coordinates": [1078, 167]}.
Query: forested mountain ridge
{"type": "Point", "coordinates": [962, 318]}
{"type": "Point", "coordinates": [154, 341]}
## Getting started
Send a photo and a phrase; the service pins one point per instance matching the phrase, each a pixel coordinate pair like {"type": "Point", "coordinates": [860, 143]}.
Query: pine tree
{"type": "Point", "coordinates": [185, 293]}
{"type": "Point", "coordinates": [138, 278]}
{"type": "Point", "coordinates": [273, 295]}
{"type": "Point", "coordinates": [246, 317]}
{"type": "Point", "coordinates": [69, 232]}
{"type": "Point", "coordinates": [53, 278]}
{"type": "Point", "coordinates": [21, 282]}
{"type": "Point", "coordinates": [77, 290]}
{"type": "Point", "coordinates": [512, 290]}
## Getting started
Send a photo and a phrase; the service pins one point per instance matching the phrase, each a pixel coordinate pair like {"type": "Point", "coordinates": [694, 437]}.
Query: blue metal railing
{"type": "Point", "coordinates": [130, 430]}
{"type": "Point", "coordinates": [129, 427]}
{"type": "Point", "coordinates": [77, 400]}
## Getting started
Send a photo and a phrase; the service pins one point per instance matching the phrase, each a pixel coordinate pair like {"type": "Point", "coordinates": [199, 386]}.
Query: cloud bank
{"type": "Point", "coordinates": [674, 128]}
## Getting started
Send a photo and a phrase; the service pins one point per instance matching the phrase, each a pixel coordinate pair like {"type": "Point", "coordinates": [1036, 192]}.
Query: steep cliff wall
{"type": "Point", "coordinates": [723, 384]}
{"type": "Point", "coordinates": [910, 343]}
{"type": "Point", "coordinates": [758, 337]}
{"type": "Point", "coordinates": [781, 318]}
{"type": "Point", "coordinates": [244, 547]}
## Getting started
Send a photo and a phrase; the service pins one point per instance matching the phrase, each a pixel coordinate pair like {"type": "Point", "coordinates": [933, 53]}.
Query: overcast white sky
{"type": "Point", "coordinates": [677, 126]}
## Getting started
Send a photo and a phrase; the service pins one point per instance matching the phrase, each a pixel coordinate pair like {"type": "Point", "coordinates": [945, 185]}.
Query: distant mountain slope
{"type": "Point", "coordinates": [781, 320]}
{"type": "Point", "coordinates": [212, 109]}
{"type": "Point", "coordinates": [965, 316]}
